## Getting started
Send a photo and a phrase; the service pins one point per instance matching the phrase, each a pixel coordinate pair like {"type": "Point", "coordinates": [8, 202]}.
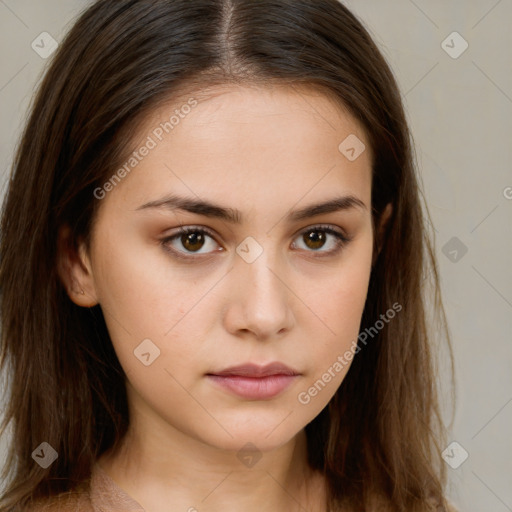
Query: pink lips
{"type": "Point", "coordinates": [255, 382]}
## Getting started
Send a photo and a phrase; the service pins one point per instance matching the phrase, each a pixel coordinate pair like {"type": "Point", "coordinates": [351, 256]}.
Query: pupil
{"type": "Point", "coordinates": [190, 240]}
{"type": "Point", "coordinates": [317, 238]}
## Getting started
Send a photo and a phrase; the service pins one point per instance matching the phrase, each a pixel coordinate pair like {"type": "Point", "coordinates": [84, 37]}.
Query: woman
{"type": "Point", "coordinates": [220, 300]}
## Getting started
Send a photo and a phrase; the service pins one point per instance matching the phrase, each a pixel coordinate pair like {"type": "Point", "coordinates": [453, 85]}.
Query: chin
{"type": "Point", "coordinates": [266, 432]}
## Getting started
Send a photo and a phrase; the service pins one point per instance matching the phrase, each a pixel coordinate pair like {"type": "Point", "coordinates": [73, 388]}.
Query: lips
{"type": "Point", "coordinates": [253, 382]}
{"type": "Point", "coordinates": [253, 370]}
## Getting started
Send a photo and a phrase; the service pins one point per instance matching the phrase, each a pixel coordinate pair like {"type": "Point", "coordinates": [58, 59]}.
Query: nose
{"type": "Point", "coordinates": [259, 304]}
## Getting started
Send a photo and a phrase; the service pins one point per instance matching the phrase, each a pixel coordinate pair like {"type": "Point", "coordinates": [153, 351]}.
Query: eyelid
{"type": "Point", "coordinates": [183, 230]}
{"type": "Point", "coordinates": [330, 228]}
{"type": "Point", "coordinates": [342, 239]}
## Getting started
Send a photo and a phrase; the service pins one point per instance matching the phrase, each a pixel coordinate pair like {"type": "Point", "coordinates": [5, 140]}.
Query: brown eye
{"type": "Point", "coordinates": [192, 241]}
{"type": "Point", "coordinates": [314, 239]}
{"type": "Point", "coordinates": [188, 242]}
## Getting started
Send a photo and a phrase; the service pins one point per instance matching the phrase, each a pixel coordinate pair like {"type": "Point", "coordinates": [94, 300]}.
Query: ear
{"type": "Point", "coordinates": [380, 231]}
{"type": "Point", "coordinates": [75, 270]}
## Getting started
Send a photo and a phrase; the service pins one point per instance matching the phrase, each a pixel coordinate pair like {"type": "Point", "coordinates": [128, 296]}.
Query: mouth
{"type": "Point", "coordinates": [254, 382]}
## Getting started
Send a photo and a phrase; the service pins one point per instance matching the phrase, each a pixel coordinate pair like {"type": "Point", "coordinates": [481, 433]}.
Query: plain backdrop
{"type": "Point", "coordinates": [459, 104]}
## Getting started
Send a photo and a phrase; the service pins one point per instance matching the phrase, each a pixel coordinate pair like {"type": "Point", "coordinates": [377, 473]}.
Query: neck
{"type": "Point", "coordinates": [161, 469]}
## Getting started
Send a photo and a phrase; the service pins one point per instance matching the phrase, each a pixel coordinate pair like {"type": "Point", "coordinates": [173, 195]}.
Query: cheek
{"type": "Point", "coordinates": [339, 304]}
{"type": "Point", "coordinates": [143, 297]}
{"type": "Point", "coordinates": [136, 286]}
{"type": "Point", "coordinates": [340, 299]}
{"type": "Point", "coordinates": [347, 297]}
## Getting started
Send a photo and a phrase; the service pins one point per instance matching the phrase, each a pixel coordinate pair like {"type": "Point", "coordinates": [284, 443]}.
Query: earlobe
{"type": "Point", "coordinates": [75, 270]}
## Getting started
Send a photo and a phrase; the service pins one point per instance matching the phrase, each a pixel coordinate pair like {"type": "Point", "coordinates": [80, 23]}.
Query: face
{"type": "Point", "coordinates": [237, 268]}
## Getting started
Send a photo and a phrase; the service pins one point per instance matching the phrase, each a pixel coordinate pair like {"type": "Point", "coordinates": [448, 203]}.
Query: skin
{"type": "Point", "coordinates": [265, 152]}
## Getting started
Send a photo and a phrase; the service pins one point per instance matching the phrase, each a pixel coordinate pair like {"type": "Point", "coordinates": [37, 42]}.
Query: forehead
{"type": "Point", "coordinates": [274, 144]}
{"type": "Point", "coordinates": [250, 104]}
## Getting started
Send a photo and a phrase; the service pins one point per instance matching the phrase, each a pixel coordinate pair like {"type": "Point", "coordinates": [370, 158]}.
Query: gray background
{"type": "Point", "coordinates": [460, 110]}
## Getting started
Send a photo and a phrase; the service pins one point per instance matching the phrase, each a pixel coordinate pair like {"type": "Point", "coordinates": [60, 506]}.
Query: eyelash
{"type": "Point", "coordinates": [341, 241]}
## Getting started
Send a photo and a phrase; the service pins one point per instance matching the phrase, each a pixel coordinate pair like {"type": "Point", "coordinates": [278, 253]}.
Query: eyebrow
{"type": "Point", "coordinates": [208, 209]}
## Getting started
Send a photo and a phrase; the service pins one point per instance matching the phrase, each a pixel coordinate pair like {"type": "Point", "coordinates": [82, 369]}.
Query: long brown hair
{"type": "Point", "coordinates": [381, 433]}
